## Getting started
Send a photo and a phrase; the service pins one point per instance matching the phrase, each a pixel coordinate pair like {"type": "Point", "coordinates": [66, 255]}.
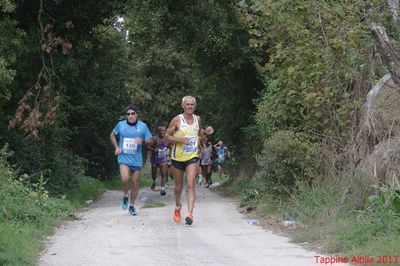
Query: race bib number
{"type": "Point", "coordinates": [162, 153]}
{"type": "Point", "coordinates": [129, 146]}
{"type": "Point", "coordinates": [191, 146]}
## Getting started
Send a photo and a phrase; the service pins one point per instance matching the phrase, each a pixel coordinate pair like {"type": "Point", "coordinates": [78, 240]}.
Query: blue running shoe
{"type": "Point", "coordinates": [132, 210]}
{"type": "Point", "coordinates": [124, 204]}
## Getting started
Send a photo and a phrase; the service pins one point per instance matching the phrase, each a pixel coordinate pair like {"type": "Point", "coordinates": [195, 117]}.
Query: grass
{"type": "Point", "coordinates": [22, 227]}
{"type": "Point", "coordinates": [89, 188]}
{"type": "Point", "coordinates": [153, 204]}
{"type": "Point", "coordinates": [18, 245]}
{"type": "Point", "coordinates": [326, 218]}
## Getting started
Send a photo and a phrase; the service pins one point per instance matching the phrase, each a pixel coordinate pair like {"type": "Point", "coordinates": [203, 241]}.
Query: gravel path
{"type": "Point", "coordinates": [220, 235]}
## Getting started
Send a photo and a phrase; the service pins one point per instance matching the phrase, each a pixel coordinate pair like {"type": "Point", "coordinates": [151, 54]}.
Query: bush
{"type": "Point", "coordinates": [37, 205]}
{"type": "Point", "coordinates": [46, 160]}
{"type": "Point", "coordinates": [27, 214]}
{"type": "Point", "coordinates": [288, 157]}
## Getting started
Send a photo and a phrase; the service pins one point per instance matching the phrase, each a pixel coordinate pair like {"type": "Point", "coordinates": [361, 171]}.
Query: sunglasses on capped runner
{"type": "Point", "coordinates": [131, 113]}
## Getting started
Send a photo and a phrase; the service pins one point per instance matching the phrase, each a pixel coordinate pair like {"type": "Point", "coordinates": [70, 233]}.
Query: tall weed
{"type": "Point", "coordinates": [319, 202]}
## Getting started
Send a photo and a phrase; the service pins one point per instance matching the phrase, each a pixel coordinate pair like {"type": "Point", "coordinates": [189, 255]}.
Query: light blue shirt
{"type": "Point", "coordinates": [221, 152]}
{"type": "Point", "coordinates": [131, 148]}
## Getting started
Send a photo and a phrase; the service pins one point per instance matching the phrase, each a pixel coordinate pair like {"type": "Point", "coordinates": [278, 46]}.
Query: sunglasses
{"type": "Point", "coordinates": [129, 114]}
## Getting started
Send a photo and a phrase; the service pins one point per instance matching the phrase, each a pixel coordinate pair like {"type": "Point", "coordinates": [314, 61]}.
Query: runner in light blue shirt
{"type": "Point", "coordinates": [223, 155]}
{"type": "Point", "coordinates": [132, 134]}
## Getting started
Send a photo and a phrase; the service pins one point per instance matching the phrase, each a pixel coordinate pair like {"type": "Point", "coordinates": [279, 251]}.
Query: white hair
{"type": "Point", "coordinates": [188, 97]}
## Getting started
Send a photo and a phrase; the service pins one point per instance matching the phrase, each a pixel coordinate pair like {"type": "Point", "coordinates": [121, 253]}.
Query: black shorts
{"type": "Point", "coordinates": [182, 165]}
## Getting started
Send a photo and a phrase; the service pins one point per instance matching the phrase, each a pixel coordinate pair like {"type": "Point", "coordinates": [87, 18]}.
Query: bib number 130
{"type": "Point", "coordinates": [129, 146]}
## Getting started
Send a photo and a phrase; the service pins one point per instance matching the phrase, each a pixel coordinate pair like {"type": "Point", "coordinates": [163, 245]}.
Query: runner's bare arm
{"type": "Point", "coordinates": [113, 139]}
{"type": "Point", "coordinates": [149, 142]}
{"type": "Point", "coordinates": [173, 126]}
{"type": "Point", "coordinates": [151, 147]}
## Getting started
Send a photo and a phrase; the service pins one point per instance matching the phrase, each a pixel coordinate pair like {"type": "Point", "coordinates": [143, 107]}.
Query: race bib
{"type": "Point", "coordinates": [191, 146]}
{"type": "Point", "coordinates": [129, 146]}
{"type": "Point", "coordinates": [162, 153]}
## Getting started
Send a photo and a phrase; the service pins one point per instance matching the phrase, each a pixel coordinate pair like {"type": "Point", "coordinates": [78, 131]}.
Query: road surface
{"type": "Point", "coordinates": [220, 235]}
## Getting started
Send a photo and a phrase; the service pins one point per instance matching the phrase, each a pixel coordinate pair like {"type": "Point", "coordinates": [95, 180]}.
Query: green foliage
{"type": "Point", "coordinates": [88, 188]}
{"type": "Point", "coordinates": [27, 213]}
{"type": "Point", "coordinates": [7, 6]}
{"type": "Point", "coordinates": [17, 247]}
{"type": "Point", "coordinates": [37, 205]}
{"type": "Point", "coordinates": [312, 55]}
{"type": "Point", "coordinates": [93, 107]}
{"type": "Point", "coordinates": [385, 199]}
{"type": "Point", "coordinates": [11, 38]}
{"type": "Point", "coordinates": [288, 157]}
{"type": "Point", "coordinates": [153, 204]}
{"type": "Point", "coordinates": [45, 161]}
{"type": "Point", "coordinates": [89, 79]}
{"type": "Point", "coordinates": [366, 236]}
{"type": "Point", "coordinates": [319, 203]}
{"type": "Point", "coordinates": [161, 75]}
{"type": "Point", "coordinates": [252, 191]}
{"type": "Point", "coordinates": [198, 48]}
{"type": "Point", "coordinates": [384, 204]}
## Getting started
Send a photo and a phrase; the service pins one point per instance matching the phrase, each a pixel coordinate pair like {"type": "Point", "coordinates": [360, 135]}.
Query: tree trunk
{"type": "Point", "coordinates": [387, 52]}
{"type": "Point", "coordinates": [394, 9]}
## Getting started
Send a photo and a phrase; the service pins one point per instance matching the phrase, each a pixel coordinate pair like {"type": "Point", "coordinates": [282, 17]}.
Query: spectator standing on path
{"type": "Point", "coordinates": [159, 159]}
{"type": "Point", "coordinates": [132, 134]}
{"type": "Point", "coordinates": [223, 155]}
{"type": "Point", "coordinates": [184, 133]}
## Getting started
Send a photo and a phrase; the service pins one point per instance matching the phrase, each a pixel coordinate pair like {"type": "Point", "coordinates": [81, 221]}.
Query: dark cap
{"type": "Point", "coordinates": [132, 107]}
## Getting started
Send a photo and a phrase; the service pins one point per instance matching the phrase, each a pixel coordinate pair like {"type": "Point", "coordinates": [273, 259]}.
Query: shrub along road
{"type": "Point", "coordinates": [220, 235]}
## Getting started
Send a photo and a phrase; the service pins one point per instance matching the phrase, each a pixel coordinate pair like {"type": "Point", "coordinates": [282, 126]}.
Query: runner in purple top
{"type": "Point", "coordinates": [159, 159]}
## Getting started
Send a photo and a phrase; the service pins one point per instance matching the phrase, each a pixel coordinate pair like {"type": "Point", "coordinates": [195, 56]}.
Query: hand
{"type": "Point", "coordinates": [209, 130]}
{"type": "Point", "coordinates": [185, 140]}
{"type": "Point", "coordinates": [117, 151]}
{"type": "Point", "coordinates": [139, 140]}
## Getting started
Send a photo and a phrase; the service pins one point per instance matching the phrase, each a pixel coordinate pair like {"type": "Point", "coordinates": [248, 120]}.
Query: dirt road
{"type": "Point", "coordinates": [220, 235]}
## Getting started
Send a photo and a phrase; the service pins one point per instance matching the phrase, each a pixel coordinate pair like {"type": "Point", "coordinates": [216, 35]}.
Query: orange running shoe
{"type": "Point", "coordinates": [177, 214]}
{"type": "Point", "coordinates": [189, 219]}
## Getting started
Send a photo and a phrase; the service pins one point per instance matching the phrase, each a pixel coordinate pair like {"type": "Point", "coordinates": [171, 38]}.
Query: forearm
{"type": "Point", "coordinates": [175, 139]}
{"type": "Point", "coordinates": [149, 143]}
{"type": "Point", "coordinates": [113, 140]}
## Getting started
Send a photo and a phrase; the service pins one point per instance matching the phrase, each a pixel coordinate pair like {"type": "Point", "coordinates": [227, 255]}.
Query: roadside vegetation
{"type": "Point", "coordinates": [29, 213]}
{"type": "Point", "coordinates": [337, 217]}
{"type": "Point", "coordinates": [304, 93]}
{"type": "Point", "coordinates": [327, 218]}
